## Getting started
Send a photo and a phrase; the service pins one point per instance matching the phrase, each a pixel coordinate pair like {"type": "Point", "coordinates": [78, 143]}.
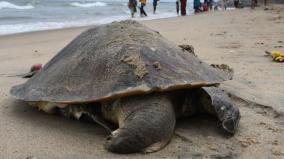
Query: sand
{"type": "Point", "coordinates": [237, 38]}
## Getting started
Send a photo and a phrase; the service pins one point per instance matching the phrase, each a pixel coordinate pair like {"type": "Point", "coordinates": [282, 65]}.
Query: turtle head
{"type": "Point", "coordinates": [217, 102]}
{"type": "Point", "coordinates": [231, 117]}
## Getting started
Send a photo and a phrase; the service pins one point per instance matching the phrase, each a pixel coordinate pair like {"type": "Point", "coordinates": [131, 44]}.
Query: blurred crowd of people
{"type": "Point", "coordinates": [180, 6]}
{"type": "Point", "coordinates": [133, 5]}
{"type": "Point", "coordinates": [198, 6]}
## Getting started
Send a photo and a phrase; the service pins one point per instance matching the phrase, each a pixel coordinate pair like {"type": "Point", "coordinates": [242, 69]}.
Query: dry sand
{"type": "Point", "coordinates": [237, 38]}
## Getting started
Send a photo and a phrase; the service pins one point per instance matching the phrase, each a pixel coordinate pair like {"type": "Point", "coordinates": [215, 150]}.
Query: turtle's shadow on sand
{"type": "Point", "coordinates": [201, 124]}
{"type": "Point", "coordinates": [198, 125]}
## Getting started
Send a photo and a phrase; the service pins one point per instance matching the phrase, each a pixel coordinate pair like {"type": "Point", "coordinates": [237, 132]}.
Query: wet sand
{"type": "Point", "coordinates": [237, 38]}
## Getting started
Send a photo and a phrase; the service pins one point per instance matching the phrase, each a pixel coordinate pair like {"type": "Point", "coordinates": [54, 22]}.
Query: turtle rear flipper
{"type": "Point", "coordinates": [85, 112]}
{"type": "Point", "coordinates": [146, 124]}
{"type": "Point", "coordinates": [215, 101]}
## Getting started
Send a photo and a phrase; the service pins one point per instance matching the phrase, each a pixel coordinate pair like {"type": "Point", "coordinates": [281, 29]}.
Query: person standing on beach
{"type": "Point", "coordinates": [155, 3]}
{"type": "Point", "coordinates": [265, 5]}
{"type": "Point", "coordinates": [224, 4]}
{"type": "Point", "coordinates": [210, 4]}
{"type": "Point", "coordinates": [132, 6]}
{"type": "Point", "coordinates": [177, 6]}
{"type": "Point", "coordinates": [253, 4]}
{"type": "Point", "coordinates": [205, 6]}
{"type": "Point", "coordinates": [143, 4]}
{"type": "Point", "coordinates": [196, 6]}
{"type": "Point", "coordinates": [183, 7]}
{"type": "Point", "coordinates": [236, 3]}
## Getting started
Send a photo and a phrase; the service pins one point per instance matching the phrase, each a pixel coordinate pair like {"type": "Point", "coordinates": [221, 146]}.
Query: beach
{"type": "Point", "coordinates": [238, 38]}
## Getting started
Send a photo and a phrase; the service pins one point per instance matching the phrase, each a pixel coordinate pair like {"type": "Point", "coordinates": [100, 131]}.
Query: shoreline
{"type": "Point", "coordinates": [48, 30]}
{"type": "Point", "coordinates": [139, 19]}
{"type": "Point", "coordinates": [152, 17]}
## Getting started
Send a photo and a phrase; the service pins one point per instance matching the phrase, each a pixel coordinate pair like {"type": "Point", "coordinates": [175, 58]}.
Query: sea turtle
{"type": "Point", "coordinates": [128, 75]}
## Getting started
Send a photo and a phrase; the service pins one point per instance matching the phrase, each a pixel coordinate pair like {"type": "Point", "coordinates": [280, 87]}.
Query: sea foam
{"type": "Point", "coordinates": [38, 26]}
{"type": "Point", "coordinates": [8, 5]}
{"type": "Point", "coordinates": [60, 14]}
{"type": "Point", "coordinates": [87, 5]}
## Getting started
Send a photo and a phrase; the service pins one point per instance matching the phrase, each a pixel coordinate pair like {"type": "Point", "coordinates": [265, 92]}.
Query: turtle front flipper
{"type": "Point", "coordinates": [146, 123]}
{"type": "Point", "coordinates": [215, 101]}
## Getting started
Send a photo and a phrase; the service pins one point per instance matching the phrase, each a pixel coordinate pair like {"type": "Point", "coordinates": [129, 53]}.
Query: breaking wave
{"type": "Point", "coordinates": [8, 5]}
{"type": "Point", "coordinates": [87, 5]}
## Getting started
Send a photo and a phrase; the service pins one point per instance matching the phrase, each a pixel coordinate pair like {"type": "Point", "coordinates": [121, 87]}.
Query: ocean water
{"type": "Point", "coordinates": [33, 15]}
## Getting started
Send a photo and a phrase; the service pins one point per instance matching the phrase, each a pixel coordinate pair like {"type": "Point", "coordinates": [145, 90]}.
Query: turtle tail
{"type": "Point", "coordinates": [146, 124]}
